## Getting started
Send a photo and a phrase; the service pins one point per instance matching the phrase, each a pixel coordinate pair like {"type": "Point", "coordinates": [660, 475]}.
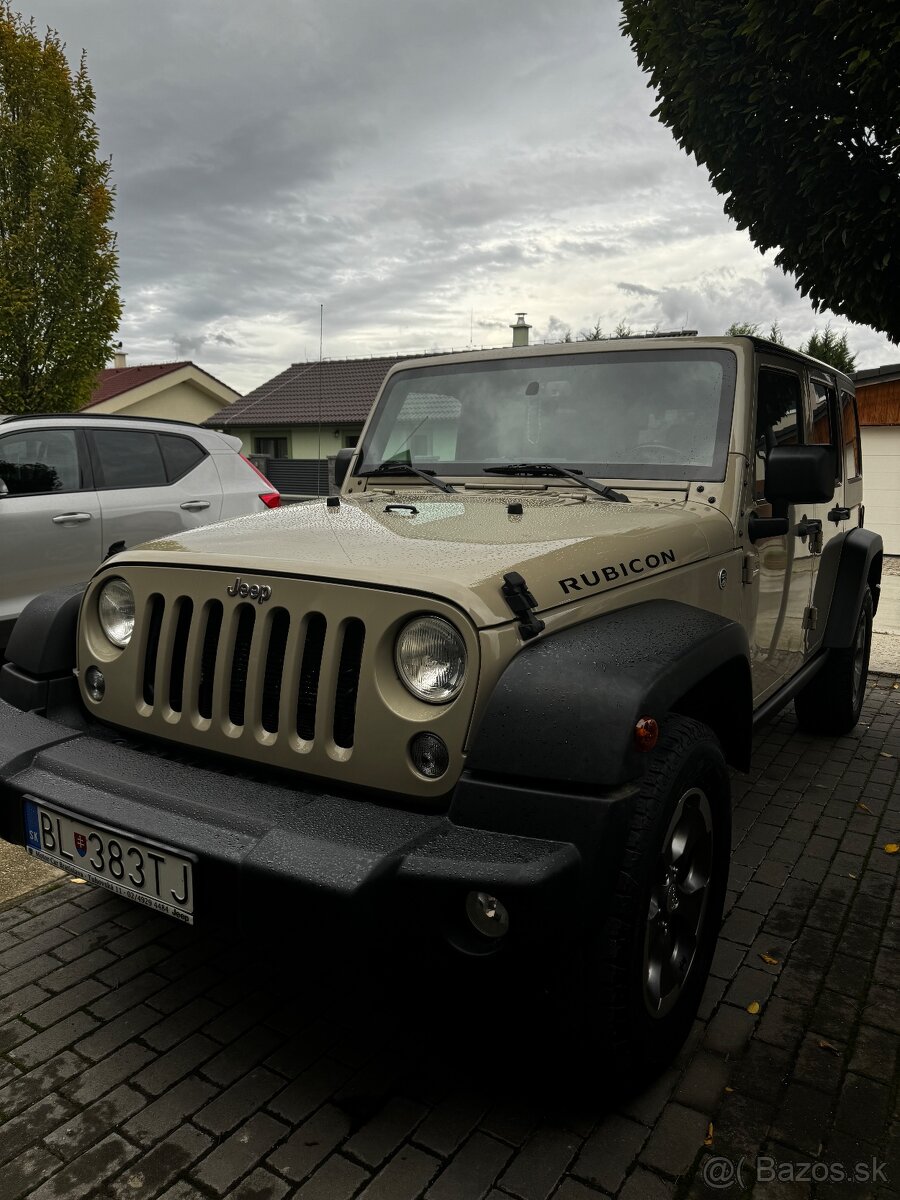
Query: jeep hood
{"type": "Point", "coordinates": [566, 545]}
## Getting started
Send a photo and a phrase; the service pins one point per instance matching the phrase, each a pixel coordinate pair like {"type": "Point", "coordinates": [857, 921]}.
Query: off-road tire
{"type": "Point", "coordinates": [831, 702]}
{"type": "Point", "coordinates": [633, 1044]}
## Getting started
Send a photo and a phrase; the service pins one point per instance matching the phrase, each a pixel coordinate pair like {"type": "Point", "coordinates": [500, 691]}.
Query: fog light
{"type": "Point", "coordinates": [487, 914]}
{"type": "Point", "coordinates": [429, 755]}
{"type": "Point", "coordinates": [95, 683]}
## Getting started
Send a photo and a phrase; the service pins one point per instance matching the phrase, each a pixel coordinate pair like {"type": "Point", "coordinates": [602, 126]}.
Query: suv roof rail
{"type": "Point", "coordinates": [654, 333]}
{"type": "Point", "coordinates": [95, 417]}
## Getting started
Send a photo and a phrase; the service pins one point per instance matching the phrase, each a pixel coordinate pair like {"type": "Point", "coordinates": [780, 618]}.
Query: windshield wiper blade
{"type": "Point", "coordinates": [552, 471]}
{"type": "Point", "coordinates": [402, 468]}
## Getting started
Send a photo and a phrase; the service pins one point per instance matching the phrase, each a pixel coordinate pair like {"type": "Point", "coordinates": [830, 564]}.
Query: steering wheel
{"type": "Point", "coordinates": [674, 455]}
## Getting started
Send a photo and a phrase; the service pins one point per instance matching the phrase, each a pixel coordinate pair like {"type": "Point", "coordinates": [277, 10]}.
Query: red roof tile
{"type": "Point", "coordinates": [114, 380]}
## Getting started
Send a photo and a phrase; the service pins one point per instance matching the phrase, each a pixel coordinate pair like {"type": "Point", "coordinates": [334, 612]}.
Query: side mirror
{"type": "Point", "coordinates": [799, 475]}
{"type": "Point", "coordinates": [342, 461]}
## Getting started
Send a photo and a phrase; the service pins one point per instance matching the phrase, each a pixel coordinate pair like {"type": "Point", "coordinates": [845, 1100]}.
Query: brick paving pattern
{"type": "Point", "coordinates": [139, 1059]}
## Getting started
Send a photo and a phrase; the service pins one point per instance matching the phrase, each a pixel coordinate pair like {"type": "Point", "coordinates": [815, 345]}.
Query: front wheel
{"type": "Point", "coordinates": [832, 701]}
{"type": "Point", "coordinates": [647, 964]}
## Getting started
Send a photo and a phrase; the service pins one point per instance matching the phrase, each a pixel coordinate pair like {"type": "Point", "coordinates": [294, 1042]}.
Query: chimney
{"type": "Point", "coordinates": [520, 331]}
{"type": "Point", "coordinates": [118, 356]}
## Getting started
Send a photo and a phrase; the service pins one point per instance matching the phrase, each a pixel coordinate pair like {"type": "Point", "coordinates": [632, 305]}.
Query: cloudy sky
{"type": "Point", "coordinates": [423, 170]}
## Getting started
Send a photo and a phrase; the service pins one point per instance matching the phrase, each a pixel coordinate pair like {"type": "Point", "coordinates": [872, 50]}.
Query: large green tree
{"type": "Point", "coordinates": [59, 299]}
{"type": "Point", "coordinates": [794, 109]}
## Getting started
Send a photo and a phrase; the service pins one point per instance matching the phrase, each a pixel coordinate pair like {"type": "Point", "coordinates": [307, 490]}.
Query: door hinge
{"type": "Point", "coordinates": [810, 616]}
{"type": "Point", "coordinates": [751, 568]}
{"type": "Point", "coordinates": [839, 514]}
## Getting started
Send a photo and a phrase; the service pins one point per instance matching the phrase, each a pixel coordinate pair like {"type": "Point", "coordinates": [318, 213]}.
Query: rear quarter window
{"type": "Point", "coordinates": [180, 455]}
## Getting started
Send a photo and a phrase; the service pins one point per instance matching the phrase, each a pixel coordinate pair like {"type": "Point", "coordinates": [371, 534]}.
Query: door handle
{"type": "Point", "coordinates": [195, 505]}
{"type": "Point", "coordinates": [71, 518]}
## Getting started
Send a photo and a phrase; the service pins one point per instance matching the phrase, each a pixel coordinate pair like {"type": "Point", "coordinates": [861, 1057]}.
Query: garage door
{"type": "Point", "coordinates": [881, 482]}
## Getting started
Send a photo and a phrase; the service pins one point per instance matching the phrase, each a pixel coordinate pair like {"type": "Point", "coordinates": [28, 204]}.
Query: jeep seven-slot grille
{"type": "Point", "coordinates": [245, 659]}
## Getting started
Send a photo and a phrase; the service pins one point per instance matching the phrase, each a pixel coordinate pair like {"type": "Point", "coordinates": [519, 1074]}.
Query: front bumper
{"type": "Point", "coordinates": [269, 853]}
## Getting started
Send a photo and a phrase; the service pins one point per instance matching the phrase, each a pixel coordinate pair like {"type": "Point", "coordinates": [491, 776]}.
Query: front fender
{"type": "Point", "coordinates": [565, 708]}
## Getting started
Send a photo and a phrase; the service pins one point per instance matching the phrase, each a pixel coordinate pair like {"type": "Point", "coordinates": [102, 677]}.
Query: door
{"type": "Point", "coordinates": [152, 485]}
{"type": "Point", "coordinates": [49, 514]}
{"type": "Point", "coordinates": [780, 566]}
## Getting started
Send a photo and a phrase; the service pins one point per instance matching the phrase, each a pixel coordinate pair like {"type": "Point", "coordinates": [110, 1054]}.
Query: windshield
{"type": "Point", "coordinates": [649, 414]}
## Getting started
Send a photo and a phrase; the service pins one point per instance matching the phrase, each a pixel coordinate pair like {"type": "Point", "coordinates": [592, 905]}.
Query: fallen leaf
{"type": "Point", "coordinates": [864, 808]}
{"type": "Point", "coordinates": [729, 1090]}
{"type": "Point", "coordinates": [708, 1140]}
{"type": "Point", "coordinates": [77, 881]}
{"type": "Point", "coordinates": [828, 1046]}
{"type": "Point", "coordinates": [884, 754]}
{"type": "Point", "coordinates": [850, 875]}
{"type": "Point", "coordinates": [767, 958]}
{"type": "Point", "coordinates": [891, 848]}
{"type": "Point", "coordinates": [753, 1007]}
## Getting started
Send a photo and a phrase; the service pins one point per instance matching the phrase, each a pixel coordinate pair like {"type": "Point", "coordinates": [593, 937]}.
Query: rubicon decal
{"type": "Point", "coordinates": [260, 592]}
{"type": "Point", "coordinates": [623, 570]}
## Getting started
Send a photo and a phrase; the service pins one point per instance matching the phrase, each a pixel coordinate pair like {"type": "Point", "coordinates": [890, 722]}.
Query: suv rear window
{"type": "Point", "coordinates": [128, 458]}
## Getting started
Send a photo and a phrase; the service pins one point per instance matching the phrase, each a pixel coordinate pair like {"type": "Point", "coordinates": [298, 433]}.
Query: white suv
{"type": "Point", "coordinates": [73, 486]}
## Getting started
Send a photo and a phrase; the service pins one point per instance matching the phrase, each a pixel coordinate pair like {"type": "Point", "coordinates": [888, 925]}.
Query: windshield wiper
{"type": "Point", "coordinates": [552, 471]}
{"type": "Point", "coordinates": [404, 468]}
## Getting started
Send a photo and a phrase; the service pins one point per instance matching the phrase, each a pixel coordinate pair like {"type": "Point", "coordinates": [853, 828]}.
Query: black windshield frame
{"type": "Point", "coordinates": [595, 468]}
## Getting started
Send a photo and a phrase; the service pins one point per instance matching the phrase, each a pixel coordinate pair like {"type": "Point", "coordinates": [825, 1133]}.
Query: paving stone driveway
{"type": "Point", "coordinates": [138, 1059]}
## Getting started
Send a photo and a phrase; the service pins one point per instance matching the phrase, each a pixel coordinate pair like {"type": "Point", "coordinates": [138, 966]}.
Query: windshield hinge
{"type": "Point", "coordinates": [810, 617]}
{"type": "Point", "coordinates": [520, 600]}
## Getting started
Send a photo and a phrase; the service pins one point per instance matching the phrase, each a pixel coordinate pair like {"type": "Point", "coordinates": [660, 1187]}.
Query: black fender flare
{"type": "Point", "coordinates": [42, 641]}
{"type": "Point", "coordinates": [566, 706]}
{"type": "Point", "coordinates": [859, 566]}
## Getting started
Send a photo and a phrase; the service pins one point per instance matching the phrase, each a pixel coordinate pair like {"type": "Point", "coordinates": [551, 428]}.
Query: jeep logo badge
{"type": "Point", "coordinates": [260, 592]}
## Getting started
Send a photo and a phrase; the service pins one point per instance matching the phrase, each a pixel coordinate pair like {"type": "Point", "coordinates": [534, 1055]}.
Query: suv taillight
{"type": "Point", "coordinates": [270, 499]}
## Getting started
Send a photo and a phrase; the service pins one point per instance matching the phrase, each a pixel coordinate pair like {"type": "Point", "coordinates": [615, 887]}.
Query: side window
{"type": "Point", "coordinates": [128, 458]}
{"type": "Point", "coordinates": [180, 455]}
{"type": "Point", "coordinates": [822, 414]}
{"type": "Point", "coordinates": [850, 424]}
{"type": "Point", "coordinates": [36, 461]}
{"type": "Point", "coordinates": [777, 409]}
{"type": "Point", "coordinates": [272, 447]}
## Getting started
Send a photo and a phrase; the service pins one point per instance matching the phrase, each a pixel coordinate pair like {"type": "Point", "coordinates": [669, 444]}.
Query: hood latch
{"type": "Point", "coordinates": [520, 600]}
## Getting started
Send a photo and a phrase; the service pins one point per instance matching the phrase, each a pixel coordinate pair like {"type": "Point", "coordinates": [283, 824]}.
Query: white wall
{"type": "Point", "coordinates": [881, 482]}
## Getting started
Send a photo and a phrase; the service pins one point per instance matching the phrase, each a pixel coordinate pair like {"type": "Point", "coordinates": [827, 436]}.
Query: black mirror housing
{"type": "Point", "coordinates": [800, 475]}
{"type": "Point", "coordinates": [342, 461]}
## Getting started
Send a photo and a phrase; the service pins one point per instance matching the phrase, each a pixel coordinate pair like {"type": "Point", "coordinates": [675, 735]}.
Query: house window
{"type": "Point", "coordinates": [271, 447]}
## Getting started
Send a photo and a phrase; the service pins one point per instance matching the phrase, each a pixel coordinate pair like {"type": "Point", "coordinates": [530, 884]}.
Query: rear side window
{"type": "Point", "coordinates": [850, 423]}
{"type": "Point", "coordinates": [128, 458]}
{"type": "Point", "coordinates": [38, 461]}
{"type": "Point", "coordinates": [180, 455]}
{"type": "Point", "coordinates": [820, 426]}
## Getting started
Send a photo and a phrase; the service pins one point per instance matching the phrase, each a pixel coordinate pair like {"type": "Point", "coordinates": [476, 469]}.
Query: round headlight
{"type": "Point", "coordinates": [431, 659]}
{"type": "Point", "coordinates": [115, 608]}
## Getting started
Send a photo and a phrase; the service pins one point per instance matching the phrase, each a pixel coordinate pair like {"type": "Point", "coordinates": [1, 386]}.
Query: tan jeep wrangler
{"type": "Point", "coordinates": [490, 692]}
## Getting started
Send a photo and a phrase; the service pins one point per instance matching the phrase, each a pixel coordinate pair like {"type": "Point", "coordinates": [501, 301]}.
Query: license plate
{"type": "Point", "coordinates": [150, 874]}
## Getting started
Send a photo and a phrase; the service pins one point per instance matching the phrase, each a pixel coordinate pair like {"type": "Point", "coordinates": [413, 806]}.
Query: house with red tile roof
{"type": "Point", "coordinates": [181, 391]}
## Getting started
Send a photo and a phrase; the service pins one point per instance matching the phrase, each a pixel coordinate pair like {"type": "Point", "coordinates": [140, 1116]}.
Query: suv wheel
{"type": "Point", "coordinates": [832, 701]}
{"type": "Point", "coordinates": [647, 968]}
